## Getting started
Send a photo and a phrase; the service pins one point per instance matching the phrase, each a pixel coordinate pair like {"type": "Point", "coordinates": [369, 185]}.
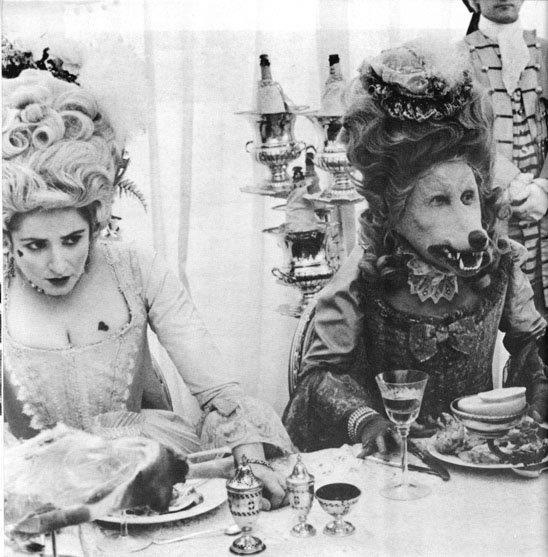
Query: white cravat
{"type": "Point", "coordinates": [513, 49]}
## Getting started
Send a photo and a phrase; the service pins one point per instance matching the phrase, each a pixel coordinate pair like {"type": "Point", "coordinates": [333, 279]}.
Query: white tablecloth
{"type": "Point", "coordinates": [477, 512]}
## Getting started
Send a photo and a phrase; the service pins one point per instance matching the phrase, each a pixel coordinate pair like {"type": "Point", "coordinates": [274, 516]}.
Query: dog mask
{"type": "Point", "coordinates": [442, 220]}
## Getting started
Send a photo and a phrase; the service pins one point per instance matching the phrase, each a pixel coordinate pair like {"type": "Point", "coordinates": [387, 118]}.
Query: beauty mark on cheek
{"type": "Point", "coordinates": [19, 253]}
{"type": "Point", "coordinates": [102, 326]}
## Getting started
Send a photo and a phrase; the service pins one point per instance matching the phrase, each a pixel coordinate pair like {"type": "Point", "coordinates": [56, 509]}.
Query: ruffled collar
{"type": "Point", "coordinates": [428, 282]}
{"type": "Point", "coordinates": [493, 29]}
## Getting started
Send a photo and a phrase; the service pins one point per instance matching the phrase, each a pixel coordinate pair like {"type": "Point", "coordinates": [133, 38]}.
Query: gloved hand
{"type": "Point", "coordinates": [534, 201]}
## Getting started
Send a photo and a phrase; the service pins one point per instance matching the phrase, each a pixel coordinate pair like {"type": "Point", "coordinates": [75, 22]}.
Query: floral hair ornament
{"type": "Point", "coordinates": [109, 70]}
{"type": "Point", "coordinates": [419, 81]}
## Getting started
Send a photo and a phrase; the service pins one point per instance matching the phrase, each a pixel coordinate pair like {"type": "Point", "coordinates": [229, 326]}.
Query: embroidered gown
{"type": "Point", "coordinates": [76, 385]}
{"type": "Point", "coordinates": [357, 335]}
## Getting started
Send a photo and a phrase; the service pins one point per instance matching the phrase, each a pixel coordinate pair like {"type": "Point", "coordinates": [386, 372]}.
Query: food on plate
{"type": "Point", "coordinates": [480, 454]}
{"type": "Point", "coordinates": [184, 497]}
{"type": "Point", "coordinates": [526, 443]}
{"type": "Point", "coordinates": [452, 437]}
{"type": "Point", "coordinates": [495, 403]}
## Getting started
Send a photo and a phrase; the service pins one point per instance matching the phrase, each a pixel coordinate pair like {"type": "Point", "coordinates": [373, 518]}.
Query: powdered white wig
{"type": "Point", "coordinates": [58, 150]}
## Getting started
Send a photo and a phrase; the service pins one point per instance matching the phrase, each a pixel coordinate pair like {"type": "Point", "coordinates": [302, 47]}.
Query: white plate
{"type": "Point", "coordinates": [213, 492]}
{"type": "Point", "coordinates": [452, 459]}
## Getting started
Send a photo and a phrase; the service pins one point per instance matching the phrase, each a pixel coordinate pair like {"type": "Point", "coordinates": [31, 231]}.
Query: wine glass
{"type": "Point", "coordinates": [402, 391]}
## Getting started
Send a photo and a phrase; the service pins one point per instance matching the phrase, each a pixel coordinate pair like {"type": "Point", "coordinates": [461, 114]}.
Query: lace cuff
{"type": "Point", "coordinates": [250, 422]}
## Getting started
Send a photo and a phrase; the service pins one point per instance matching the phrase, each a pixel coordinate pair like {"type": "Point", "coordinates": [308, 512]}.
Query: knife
{"type": "Point", "coordinates": [429, 460]}
{"type": "Point", "coordinates": [410, 467]}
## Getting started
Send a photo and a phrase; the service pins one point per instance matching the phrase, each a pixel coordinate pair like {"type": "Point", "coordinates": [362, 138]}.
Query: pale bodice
{"type": "Point", "coordinates": [74, 385]}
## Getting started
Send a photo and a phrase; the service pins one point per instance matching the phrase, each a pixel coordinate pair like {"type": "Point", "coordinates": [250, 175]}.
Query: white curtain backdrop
{"type": "Point", "coordinates": [202, 62]}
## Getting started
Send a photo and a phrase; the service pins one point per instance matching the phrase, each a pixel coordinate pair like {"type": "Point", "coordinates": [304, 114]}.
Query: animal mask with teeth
{"type": "Point", "coordinates": [442, 220]}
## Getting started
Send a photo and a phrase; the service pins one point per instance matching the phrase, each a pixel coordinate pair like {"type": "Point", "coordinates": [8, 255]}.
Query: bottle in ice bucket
{"type": "Point", "coordinates": [244, 501]}
{"type": "Point", "coordinates": [300, 486]}
{"type": "Point", "coordinates": [311, 176]}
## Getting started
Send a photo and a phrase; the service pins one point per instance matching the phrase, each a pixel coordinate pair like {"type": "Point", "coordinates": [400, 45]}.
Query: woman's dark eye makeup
{"type": "Point", "coordinates": [69, 240]}
{"type": "Point", "coordinates": [36, 245]}
{"type": "Point", "coordinates": [72, 239]}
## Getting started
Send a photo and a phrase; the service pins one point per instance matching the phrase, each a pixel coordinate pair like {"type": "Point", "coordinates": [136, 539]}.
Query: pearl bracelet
{"type": "Point", "coordinates": [356, 419]}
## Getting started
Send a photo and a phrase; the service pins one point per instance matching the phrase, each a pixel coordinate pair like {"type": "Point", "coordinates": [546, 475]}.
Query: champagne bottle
{"type": "Point", "coordinates": [270, 98]}
{"type": "Point", "coordinates": [334, 68]}
{"type": "Point", "coordinates": [332, 98]}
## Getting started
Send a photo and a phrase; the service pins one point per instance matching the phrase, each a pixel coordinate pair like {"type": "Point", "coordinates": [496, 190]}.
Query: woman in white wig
{"type": "Point", "coordinates": [77, 307]}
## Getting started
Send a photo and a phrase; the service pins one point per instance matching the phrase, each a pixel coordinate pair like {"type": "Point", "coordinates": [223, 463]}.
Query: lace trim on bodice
{"type": "Point", "coordinates": [455, 350]}
{"type": "Point", "coordinates": [74, 384]}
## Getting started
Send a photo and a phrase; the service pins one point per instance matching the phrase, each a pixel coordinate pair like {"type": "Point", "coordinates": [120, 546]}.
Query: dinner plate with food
{"type": "Point", "coordinates": [524, 444]}
{"type": "Point", "coordinates": [189, 499]}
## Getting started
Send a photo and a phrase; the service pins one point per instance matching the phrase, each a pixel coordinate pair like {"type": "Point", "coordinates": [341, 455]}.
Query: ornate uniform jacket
{"type": "Point", "coordinates": [520, 132]}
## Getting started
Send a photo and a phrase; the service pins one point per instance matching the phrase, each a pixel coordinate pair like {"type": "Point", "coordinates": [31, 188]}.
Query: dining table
{"type": "Point", "coordinates": [479, 511]}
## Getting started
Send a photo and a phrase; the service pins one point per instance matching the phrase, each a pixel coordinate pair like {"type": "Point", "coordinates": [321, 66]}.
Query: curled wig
{"type": "Point", "coordinates": [58, 150]}
{"type": "Point", "coordinates": [390, 154]}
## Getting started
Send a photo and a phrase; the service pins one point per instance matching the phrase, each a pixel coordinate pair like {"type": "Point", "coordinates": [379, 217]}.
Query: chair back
{"type": "Point", "coordinates": [299, 345]}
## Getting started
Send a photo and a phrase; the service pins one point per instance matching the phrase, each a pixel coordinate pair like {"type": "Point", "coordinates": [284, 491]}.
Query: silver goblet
{"type": "Point", "coordinates": [337, 499]}
{"type": "Point", "coordinates": [244, 501]}
{"type": "Point", "coordinates": [300, 486]}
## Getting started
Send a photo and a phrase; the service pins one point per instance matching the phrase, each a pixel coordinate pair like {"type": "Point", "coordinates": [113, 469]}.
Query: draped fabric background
{"type": "Point", "coordinates": [201, 59]}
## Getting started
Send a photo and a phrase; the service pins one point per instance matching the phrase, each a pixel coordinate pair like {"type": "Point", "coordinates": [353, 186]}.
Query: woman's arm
{"type": "Point", "coordinates": [329, 406]}
{"type": "Point", "coordinates": [230, 417]}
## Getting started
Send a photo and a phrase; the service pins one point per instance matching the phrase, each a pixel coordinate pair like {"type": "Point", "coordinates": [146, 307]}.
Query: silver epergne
{"type": "Point", "coordinates": [331, 158]}
{"type": "Point", "coordinates": [304, 264]}
{"type": "Point", "coordinates": [273, 122]}
{"type": "Point", "coordinates": [244, 501]}
{"type": "Point", "coordinates": [300, 487]}
{"type": "Point", "coordinates": [275, 147]}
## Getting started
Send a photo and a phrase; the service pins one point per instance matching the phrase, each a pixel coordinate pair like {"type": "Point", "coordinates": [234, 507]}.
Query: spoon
{"type": "Point", "coordinates": [232, 530]}
{"type": "Point", "coordinates": [531, 473]}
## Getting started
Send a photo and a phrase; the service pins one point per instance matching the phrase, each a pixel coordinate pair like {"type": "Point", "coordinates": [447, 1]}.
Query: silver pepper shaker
{"type": "Point", "coordinates": [300, 486]}
{"type": "Point", "coordinates": [244, 501]}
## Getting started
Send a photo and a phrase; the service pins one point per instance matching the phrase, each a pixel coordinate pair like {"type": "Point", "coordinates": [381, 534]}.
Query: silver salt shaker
{"type": "Point", "coordinates": [300, 486]}
{"type": "Point", "coordinates": [244, 501]}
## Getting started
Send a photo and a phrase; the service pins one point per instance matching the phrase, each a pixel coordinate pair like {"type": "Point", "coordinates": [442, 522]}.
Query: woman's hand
{"type": "Point", "coordinates": [377, 435]}
{"type": "Point", "coordinates": [274, 491]}
{"type": "Point", "coordinates": [274, 482]}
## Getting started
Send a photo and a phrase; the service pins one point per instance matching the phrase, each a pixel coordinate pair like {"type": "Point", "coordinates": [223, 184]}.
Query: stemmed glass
{"type": "Point", "coordinates": [402, 391]}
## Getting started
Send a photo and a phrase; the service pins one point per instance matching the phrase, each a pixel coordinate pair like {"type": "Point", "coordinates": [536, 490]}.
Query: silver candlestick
{"type": "Point", "coordinates": [300, 486]}
{"type": "Point", "coordinates": [244, 501]}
